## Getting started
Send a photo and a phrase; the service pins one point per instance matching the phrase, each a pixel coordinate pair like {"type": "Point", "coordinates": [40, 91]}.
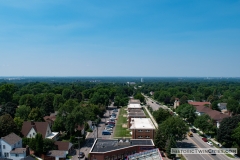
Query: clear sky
{"type": "Point", "coordinates": [120, 38]}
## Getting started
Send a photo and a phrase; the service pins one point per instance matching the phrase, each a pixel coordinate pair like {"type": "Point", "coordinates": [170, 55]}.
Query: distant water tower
{"type": "Point", "coordinates": [141, 79]}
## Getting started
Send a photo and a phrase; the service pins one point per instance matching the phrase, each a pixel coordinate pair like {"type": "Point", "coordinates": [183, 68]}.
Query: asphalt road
{"type": "Point", "coordinates": [152, 103]}
{"type": "Point", "coordinates": [197, 142]}
{"type": "Point", "coordinates": [91, 137]}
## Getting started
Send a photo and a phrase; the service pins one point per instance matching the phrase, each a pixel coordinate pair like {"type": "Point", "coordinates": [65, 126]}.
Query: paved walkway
{"type": "Point", "coordinates": [150, 115]}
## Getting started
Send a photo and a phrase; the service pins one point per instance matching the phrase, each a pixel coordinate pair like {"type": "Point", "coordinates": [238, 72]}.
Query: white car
{"type": "Point", "coordinates": [210, 143]}
{"type": "Point", "coordinates": [109, 129]}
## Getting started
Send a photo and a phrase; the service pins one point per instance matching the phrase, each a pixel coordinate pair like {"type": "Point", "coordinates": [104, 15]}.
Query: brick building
{"type": "Point", "coordinates": [111, 149]}
{"type": "Point", "coordinates": [142, 128]}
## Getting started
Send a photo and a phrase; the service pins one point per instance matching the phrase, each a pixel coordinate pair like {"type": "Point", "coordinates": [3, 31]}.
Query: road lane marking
{"type": "Point", "coordinates": [199, 147]}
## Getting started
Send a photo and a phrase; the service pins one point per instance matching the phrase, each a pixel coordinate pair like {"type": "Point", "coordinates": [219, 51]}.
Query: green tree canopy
{"type": "Point", "coordinates": [226, 130]}
{"type": "Point", "coordinates": [7, 125]}
{"type": "Point", "coordinates": [175, 127]}
{"type": "Point", "coordinates": [22, 112]}
{"type": "Point", "coordinates": [204, 122]}
{"type": "Point", "coordinates": [161, 115]}
{"type": "Point", "coordinates": [187, 111]}
{"type": "Point", "coordinates": [35, 115]}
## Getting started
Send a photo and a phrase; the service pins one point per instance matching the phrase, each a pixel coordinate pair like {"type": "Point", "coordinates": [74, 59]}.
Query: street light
{"type": "Point", "coordinates": [79, 146]}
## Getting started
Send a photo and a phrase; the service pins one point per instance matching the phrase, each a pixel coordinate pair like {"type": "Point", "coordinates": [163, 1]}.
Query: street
{"type": "Point", "coordinates": [197, 142]}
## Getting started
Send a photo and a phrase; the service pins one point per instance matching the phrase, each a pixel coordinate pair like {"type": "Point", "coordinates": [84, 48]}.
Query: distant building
{"type": "Point", "coordinates": [111, 149]}
{"type": "Point", "coordinates": [222, 106]}
{"type": "Point", "coordinates": [142, 80]}
{"type": "Point", "coordinates": [176, 103]}
{"type": "Point", "coordinates": [134, 101]}
{"type": "Point", "coordinates": [142, 128]}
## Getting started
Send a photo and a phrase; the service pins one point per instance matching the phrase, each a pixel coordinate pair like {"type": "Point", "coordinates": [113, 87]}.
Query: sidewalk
{"type": "Point", "coordinates": [153, 120]}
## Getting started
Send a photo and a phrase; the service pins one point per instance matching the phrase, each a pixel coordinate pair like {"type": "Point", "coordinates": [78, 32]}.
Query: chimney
{"type": "Point", "coordinates": [32, 123]}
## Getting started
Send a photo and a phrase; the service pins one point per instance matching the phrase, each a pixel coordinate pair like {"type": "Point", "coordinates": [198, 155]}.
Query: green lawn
{"type": "Point", "coordinates": [119, 131]}
{"type": "Point", "coordinates": [146, 113]}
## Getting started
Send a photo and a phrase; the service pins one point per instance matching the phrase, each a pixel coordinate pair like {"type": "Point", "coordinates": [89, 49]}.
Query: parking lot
{"type": "Point", "coordinates": [97, 132]}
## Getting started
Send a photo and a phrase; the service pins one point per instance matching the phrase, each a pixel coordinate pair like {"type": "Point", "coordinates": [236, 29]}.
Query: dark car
{"type": "Point", "coordinates": [162, 154]}
{"type": "Point", "coordinates": [115, 110]}
{"type": "Point", "coordinates": [194, 130]}
{"type": "Point", "coordinates": [204, 139]}
{"type": "Point", "coordinates": [81, 155]}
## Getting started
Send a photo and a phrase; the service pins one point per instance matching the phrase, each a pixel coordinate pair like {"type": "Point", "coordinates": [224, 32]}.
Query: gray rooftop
{"type": "Point", "coordinates": [136, 114]}
{"type": "Point", "coordinates": [135, 110]}
{"type": "Point", "coordinates": [57, 153]}
{"type": "Point", "coordinates": [106, 145]}
{"type": "Point", "coordinates": [11, 139]}
{"type": "Point", "coordinates": [18, 150]}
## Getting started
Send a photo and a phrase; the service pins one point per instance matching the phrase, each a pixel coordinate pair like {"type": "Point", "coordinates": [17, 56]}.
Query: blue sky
{"type": "Point", "coordinates": [120, 38]}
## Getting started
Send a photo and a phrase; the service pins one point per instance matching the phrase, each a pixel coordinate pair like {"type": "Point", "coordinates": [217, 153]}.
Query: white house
{"type": "Point", "coordinates": [11, 147]}
{"type": "Point", "coordinates": [30, 129]}
{"type": "Point", "coordinates": [222, 106]}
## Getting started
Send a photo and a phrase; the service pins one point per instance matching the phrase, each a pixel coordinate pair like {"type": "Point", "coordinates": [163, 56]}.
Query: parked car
{"type": "Point", "coordinates": [110, 126]}
{"type": "Point", "coordinates": [194, 130]}
{"type": "Point", "coordinates": [115, 110]}
{"type": "Point", "coordinates": [113, 114]}
{"type": "Point", "coordinates": [108, 129]}
{"type": "Point", "coordinates": [111, 123]}
{"type": "Point", "coordinates": [162, 154]}
{"type": "Point", "coordinates": [210, 143]}
{"type": "Point", "coordinates": [113, 118]}
{"type": "Point", "coordinates": [105, 132]}
{"type": "Point", "coordinates": [81, 155]}
{"type": "Point", "coordinates": [204, 139]}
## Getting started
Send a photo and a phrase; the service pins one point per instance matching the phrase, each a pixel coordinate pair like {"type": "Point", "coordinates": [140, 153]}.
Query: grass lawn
{"type": "Point", "coordinates": [146, 113]}
{"type": "Point", "coordinates": [119, 131]}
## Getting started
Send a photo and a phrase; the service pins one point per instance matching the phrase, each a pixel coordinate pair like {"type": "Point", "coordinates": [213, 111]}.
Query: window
{"type": "Point", "coordinates": [0, 153]}
{"type": "Point", "coordinates": [16, 155]}
{"type": "Point", "coordinates": [139, 130]}
{"type": "Point", "coordinates": [33, 134]}
{"type": "Point", "coordinates": [140, 136]}
{"type": "Point", "coordinates": [147, 130]}
{"type": "Point", "coordinates": [3, 146]}
{"type": "Point", "coordinates": [147, 136]}
{"type": "Point", "coordinates": [6, 154]}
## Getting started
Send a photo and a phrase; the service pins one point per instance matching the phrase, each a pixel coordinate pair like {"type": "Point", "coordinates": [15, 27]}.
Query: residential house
{"type": "Point", "coordinates": [30, 129]}
{"type": "Point", "coordinates": [50, 119]}
{"type": "Point", "coordinates": [213, 114]}
{"type": "Point", "coordinates": [11, 147]}
{"type": "Point", "coordinates": [222, 106]}
{"type": "Point", "coordinates": [176, 103]}
{"type": "Point", "coordinates": [134, 101]}
{"type": "Point", "coordinates": [64, 146]}
{"type": "Point", "coordinates": [199, 103]}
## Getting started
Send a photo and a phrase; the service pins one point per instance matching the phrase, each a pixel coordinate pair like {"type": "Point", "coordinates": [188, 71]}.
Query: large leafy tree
{"type": "Point", "coordinates": [7, 125]}
{"type": "Point", "coordinates": [171, 143]}
{"type": "Point", "coordinates": [35, 115]}
{"type": "Point", "coordinates": [39, 144]}
{"type": "Point", "coordinates": [187, 111]}
{"type": "Point", "coordinates": [226, 129]}
{"type": "Point", "coordinates": [6, 92]}
{"type": "Point", "coordinates": [58, 101]}
{"type": "Point", "coordinates": [9, 108]}
{"type": "Point", "coordinates": [28, 100]}
{"type": "Point", "coordinates": [23, 112]}
{"type": "Point", "coordinates": [160, 140]}
{"type": "Point", "coordinates": [161, 115]}
{"type": "Point", "coordinates": [140, 97]}
{"type": "Point", "coordinates": [233, 106]}
{"type": "Point", "coordinates": [175, 127]}
{"type": "Point", "coordinates": [204, 122]}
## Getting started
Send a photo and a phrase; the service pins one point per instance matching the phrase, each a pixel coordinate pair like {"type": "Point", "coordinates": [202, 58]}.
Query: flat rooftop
{"type": "Point", "coordinates": [141, 123]}
{"type": "Point", "coordinates": [134, 101]}
{"type": "Point", "coordinates": [133, 106]}
{"type": "Point", "coordinates": [107, 145]}
{"type": "Point", "coordinates": [135, 110]}
{"type": "Point", "coordinates": [136, 114]}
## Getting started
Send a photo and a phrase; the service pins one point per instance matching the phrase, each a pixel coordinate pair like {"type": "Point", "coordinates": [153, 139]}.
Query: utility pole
{"type": "Point", "coordinates": [79, 146]}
